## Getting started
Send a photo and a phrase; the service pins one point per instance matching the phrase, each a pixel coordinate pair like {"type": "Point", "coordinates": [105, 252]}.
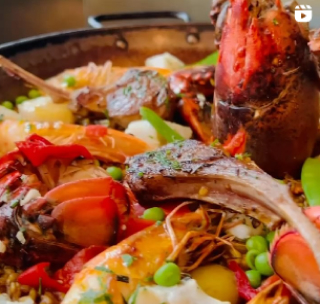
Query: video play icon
{"type": "Point", "coordinates": [303, 13]}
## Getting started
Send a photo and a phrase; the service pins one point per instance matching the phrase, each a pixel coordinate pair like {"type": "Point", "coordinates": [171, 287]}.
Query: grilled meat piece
{"type": "Point", "coordinates": [192, 170]}
{"type": "Point", "coordinates": [121, 101]}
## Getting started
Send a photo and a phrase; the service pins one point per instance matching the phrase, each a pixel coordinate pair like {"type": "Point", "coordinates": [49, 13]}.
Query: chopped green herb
{"type": "Point", "coordinates": [106, 113]}
{"type": "Point", "coordinates": [176, 165]}
{"type": "Point", "coordinates": [242, 156]}
{"type": "Point", "coordinates": [180, 95]}
{"type": "Point", "coordinates": [168, 152]}
{"type": "Point", "coordinates": [149, 279]}
{"type": "Point", "coordinates": [92, 296]}
{"type": "Point", "coordinates": [104, 269]}
{"type": "Point", "coordinates": [158, 223]}
{"type": "Point", "coordinates": [140, 174]}
{"type": "Point", "coordinates": [215, 143]}
{"type": "Point", "coordinates": [127, 90]}
{"type": "Point", "coordinates": [40, 286]}
{"type": "Point", "coordinates": [275, 21]}
{"type": "Point", "coordinates": [127, 259]}
{"type": "Point", "coordinates": [14, 203]}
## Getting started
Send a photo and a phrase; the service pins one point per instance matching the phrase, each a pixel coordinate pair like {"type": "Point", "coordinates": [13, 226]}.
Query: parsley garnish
{"type": "Point", "coordinates": [92, 296]}
{"type": "Point", "coordinates": [215, 143]}
{"type": "Point", "coordinates": [104, 269]}
{"type": "Point", "coordinates": [242, 156]}
{"type": "Point", "coordinates": [140, 174]}
{"type": "Point", "coordinates": [127, 259]}
{"type": "Point", "coordinates": [14, 203]}
{"type": "Point", "coordinates": [176, 165]}
{"type": "Point", "coordinates": [106, 113]}
{"type": "Point", "coordinates": [40, 286]}
{"type": "Point", "coordinates": [275, 21]}
{"type": "Point", "coordinates": [149, 279]}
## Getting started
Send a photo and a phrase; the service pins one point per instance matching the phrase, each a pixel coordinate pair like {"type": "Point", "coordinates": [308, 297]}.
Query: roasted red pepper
{"type": "Point", "coordinates": [37, 150]}
{"type": "Point", "coordinates": [37, 276]}
{"type": "Point", "coordinates": [75, 265]}
{"type": "Point", "coordinates": [246, 291]}
{"type": "Point", "coordinates": [236, 144]}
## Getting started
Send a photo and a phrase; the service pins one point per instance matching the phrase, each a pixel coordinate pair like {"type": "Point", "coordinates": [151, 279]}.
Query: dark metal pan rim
{"type": "Point", "coordinates": [60, 37]}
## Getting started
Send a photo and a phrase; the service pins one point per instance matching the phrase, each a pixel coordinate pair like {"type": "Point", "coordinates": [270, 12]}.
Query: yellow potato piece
{"type": "Point", "coordinates": [43, 109]}
{"type": "Point", "coordinates": [218, 282]}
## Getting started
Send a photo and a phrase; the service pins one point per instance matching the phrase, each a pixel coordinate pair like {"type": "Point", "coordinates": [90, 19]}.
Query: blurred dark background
{"type": "Point", "coordinates": [23, 18]}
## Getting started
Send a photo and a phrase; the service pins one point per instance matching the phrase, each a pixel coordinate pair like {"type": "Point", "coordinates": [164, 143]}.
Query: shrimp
{"type": "Point", "coordinates": [61, 200]}
{"type": "Point", "coordinates": [178, 239]}
{"type": "Point", "coordinates": [106, 144]}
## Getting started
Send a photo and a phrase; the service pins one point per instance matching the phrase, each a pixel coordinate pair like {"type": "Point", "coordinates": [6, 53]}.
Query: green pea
{"type": "Point", "coordinates": [115, 173]}
{"type": "Point", "coordinates": [254, 278]}
{"type": "Point", "coordinates": [262, 264]}
{"type": "Point", "coordinates": [21, 99]}
{"type": "Point", "coordinates": [258, 243]}
{"type": "Point", "coordinates": [34, 94]}
{"type": "Point", "coordinates": [155, 214]}
{"type": "Point", "coordinates": [270, 236]}
{"type": "Point", "coordinates": [310, 177]}
{"type": "Point", "coordinates": [250, 258]}
{"type": "Point", "coordinates": [168, 275]}
{"type": "Point", "coordinates": [8, 104]}
{"type": "Point", "coordinates": [69, 81]}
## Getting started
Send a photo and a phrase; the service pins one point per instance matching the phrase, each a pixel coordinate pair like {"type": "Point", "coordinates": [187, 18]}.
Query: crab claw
{"type": "Point", "coordinates": [293, 261]}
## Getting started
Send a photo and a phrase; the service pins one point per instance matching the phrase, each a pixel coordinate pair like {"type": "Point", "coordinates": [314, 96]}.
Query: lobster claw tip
{"type": "Point", "coordinates": [294, 262]}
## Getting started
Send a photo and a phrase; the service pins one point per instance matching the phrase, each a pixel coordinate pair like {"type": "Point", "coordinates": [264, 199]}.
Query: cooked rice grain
{"type": "Point", "coordinates": [11, 292]}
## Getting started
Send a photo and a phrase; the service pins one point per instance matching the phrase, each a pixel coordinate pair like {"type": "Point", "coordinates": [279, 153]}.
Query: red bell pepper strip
{"type": "Point", "coordinates": [37, 274]}
{"type": "Point", "coordinates": [236, 144]}
{"type": "Point", "coordinates": [75, 265]}
{"type": "Point", "coordinates": [37, 150]}
{"type": "Point", "coordinates": [246, 291]}
{"type": "Point", "coordinates": [96, 131]}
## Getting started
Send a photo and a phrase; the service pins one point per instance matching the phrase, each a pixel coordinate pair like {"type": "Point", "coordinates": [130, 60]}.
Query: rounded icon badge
{"type": "Point", "coordinates": [303, 13]}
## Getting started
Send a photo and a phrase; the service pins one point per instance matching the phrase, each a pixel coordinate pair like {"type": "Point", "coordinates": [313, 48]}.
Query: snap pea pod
{"type": "Point", "coordinates": [160, 125]}
{"type": "Point", "coordinates": [212, 59]}
{"type": "Point", "coordinates": [310, 179]}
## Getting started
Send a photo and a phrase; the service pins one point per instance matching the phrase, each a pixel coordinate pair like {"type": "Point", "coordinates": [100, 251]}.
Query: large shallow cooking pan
{"type": "Point", "coordinates": [50, 54]}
